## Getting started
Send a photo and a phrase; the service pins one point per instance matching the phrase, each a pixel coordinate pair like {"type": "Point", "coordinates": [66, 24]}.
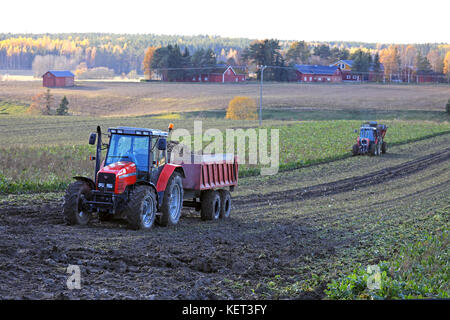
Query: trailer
{"type": "Point", "coordinates": [207, 184]}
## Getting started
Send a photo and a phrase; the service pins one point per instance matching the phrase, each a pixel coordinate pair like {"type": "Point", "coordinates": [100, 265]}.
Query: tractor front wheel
{"type": "Point", "coordinates": [210, 203]}
{"type": "Point", "coordinates": [384, 147]}
{"type": "Point", "coordinates": [373, 149]}
{"type": "Point", "coordinates": [140, 211]}
{"type": "Point", "coordinates": [75, 210]}
{"type": "Point", "coordinates": [172, 201]}
{"type": "Point", "coordinates": [355, 150]}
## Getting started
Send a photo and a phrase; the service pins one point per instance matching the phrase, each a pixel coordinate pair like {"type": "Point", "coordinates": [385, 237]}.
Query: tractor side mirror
{"type": "Point", "coordinates": [92, 138]}
{"type": "Point", "coordinates": [356, 131]}
{"type": "Point", "coordinates": [162, 144]}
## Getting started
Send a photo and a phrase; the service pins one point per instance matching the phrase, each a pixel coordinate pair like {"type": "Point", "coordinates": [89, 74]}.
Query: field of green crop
{"type": "Point", "coordinates": [44, 153]}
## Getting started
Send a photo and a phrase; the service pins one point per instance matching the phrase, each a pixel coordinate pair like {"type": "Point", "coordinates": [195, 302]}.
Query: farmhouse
{"type": "Point", "coordinates": [317, 73]}
{"type": "Point", "coordinates": [224, 73]}
{"type": "Point", "coordinates": [348, 75]}
{"type": "Point", "coordinates": [52, 79]}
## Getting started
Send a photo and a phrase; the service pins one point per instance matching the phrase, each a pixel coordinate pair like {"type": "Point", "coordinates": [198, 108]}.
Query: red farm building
{"type": "Point", "coordinates": [218, 73]}
{"type": "Point", "coordinates": [54, 79]}
{"type": "Point", "coordinates": [316, 73]}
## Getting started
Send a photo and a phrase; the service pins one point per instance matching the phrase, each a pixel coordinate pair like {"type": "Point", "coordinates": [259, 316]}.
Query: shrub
{"type": "Point", "coordinates": [242, 108]}
{"type": "Point", "coordinates": [41, 103]}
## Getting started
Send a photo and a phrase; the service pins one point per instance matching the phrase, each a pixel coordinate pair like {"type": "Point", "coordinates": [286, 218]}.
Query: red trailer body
{"type": "Point", "coordinates": [211, 172]}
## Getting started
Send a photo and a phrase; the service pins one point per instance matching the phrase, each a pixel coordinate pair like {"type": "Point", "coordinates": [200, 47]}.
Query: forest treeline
{"type": "Point", "coordinates": [124, 53]}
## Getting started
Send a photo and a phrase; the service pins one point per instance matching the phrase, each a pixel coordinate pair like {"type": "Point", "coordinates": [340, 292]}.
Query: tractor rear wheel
{"type": "Point", "coordinates": [172, 201]}
{"type": "Point", "coordinates": [225, 203]}
{"type": "Point", "coordinates": [210, 203]}
{"type": "Point", "coordinates": [140, 210]}
{"type": "Point", "coordinates": [384, 147]}
{"type": "Point", "coordinates": [355, 150]}
{"type": "Point", "coordinates": [75, 210]}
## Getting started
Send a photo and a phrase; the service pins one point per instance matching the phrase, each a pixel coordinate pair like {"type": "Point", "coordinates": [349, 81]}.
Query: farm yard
{"type": "Point", "coordinates": [290, 235]}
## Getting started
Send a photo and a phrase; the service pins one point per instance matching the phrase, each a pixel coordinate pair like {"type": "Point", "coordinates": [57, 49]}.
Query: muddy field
{"type": "Point", "coordinates": [288, 235]}
{"type": "Point", "coordinates": [125, 98]}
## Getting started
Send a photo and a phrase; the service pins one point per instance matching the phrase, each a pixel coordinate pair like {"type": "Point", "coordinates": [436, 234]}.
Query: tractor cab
{"type": "Point", "coordinates": [141, 148]}
{"type": "Point", "coordinates": [367, 132]}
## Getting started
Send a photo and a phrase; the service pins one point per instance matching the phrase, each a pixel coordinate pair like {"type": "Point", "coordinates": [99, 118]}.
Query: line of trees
{"type": "Point", "coordinates": [125, 54]}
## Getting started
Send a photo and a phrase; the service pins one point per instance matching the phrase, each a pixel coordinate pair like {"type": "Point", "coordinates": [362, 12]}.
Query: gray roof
{"type": "Point", "coordinates": [315, 69]}
{"type": "Point", "coordinates": [132, 130]}
{"type": "Point", "coordinates": [61, 73]}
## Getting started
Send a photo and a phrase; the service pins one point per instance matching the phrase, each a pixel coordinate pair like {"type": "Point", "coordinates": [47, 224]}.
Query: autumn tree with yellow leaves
{"type": "Point", "coordinates": [147, 63]}
{"type": "Point", "coordinates": [447, 64]}
{"type": "Point", "coordinates": [242, 108]}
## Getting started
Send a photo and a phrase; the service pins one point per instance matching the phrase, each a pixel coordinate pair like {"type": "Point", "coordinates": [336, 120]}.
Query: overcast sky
{"type": "Point", "coordinates": [387, 21]}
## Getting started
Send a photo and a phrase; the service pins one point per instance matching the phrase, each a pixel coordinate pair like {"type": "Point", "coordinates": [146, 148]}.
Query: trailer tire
{"type": "Point", "coordinates": [384, 147]}
{"type": "Point", "coordinates": [210, 204]}
{"type": "Point", "coordinates": [355, 150]}
{"type": "Point", "coordinates": [140, 210]}
{"type": "Point", "coordinates": [172, 201]}
{"type": "Point", "coordinates": [73, 210]}
{"type": "Point", "coordinates": [225, 203]}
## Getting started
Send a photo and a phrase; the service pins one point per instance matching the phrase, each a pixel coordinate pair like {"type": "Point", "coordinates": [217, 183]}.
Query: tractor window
{"type": "Point", "coordinates": [159, 156]}
{"type": "Point", "coordinates": [367, 133]}
{"type": "Point", "coordinates": [129, 148]}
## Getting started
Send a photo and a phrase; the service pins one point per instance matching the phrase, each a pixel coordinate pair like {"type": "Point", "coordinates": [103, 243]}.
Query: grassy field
{"type": "Point", "coordinates": [125, 98]}
{"type": "Point", "coordinates": [43, 153]}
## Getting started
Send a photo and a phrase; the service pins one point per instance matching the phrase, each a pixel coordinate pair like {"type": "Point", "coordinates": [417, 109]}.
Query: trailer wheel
{"type": "Point", "coordinates": [355, 150]}
{"type": "Point", "coordinates": [74, 208]}
{"type": "Point", "coordinates": [225, 204]}
{"type": "Point", "coordinates": [384, 147]}
{"type": "Point", "coordinates": [210, 203]}
{"type": "Point", "coordinates": [172, 201]}
{"type": "Point", "coordinates": [140, 210]}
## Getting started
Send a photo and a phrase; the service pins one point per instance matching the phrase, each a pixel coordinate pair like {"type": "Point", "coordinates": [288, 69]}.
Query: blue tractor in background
{"type": "Point", "coordinates": [371, 139]}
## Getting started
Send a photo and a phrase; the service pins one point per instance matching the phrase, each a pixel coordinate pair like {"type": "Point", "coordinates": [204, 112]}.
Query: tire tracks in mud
{"type": "Point", "coordinates": [345, 185]}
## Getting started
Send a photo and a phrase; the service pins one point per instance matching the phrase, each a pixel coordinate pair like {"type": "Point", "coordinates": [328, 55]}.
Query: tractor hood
{"type": "Point", "coordinates": [117, 176]}
{"type": "Point", "coordinates": [119, 168]}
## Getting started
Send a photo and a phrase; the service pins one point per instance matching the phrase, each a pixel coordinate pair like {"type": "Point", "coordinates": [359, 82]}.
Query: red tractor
{"type": "Point", "coordinates": [371, 139]}
{"type": "Point", "coordinates": [136, 183]}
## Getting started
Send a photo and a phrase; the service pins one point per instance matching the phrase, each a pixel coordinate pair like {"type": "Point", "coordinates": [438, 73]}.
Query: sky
{"type": "Point", "coordinates": [382, 21]}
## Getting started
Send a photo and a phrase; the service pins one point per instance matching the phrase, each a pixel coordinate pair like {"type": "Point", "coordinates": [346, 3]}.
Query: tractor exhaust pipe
{"type": "Point", "coordinates": [99, 152]}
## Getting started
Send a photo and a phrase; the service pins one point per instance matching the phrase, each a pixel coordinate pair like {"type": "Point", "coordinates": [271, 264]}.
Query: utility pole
{"type": "Point", "coordinates": [261, 93]}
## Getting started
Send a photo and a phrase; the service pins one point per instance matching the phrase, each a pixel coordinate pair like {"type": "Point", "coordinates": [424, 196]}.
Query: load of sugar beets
{"type": "Point", "coordinates": [371, 139]}
{"type": "Point", "coordinates": [145, 179]}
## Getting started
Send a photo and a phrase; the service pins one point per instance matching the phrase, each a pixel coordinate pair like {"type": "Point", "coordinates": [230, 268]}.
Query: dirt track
{"type": "Point", "coordinates": [195, 260]}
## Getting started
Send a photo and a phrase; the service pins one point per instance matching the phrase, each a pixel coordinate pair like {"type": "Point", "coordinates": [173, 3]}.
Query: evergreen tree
{"type": "Point", "coordinates": [63, 108]}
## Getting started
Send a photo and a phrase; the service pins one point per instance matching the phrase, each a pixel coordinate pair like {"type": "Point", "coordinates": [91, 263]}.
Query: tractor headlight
{"type": "Point", "coordinates": [101, 185]}
{"type": "Point", "coordinates": [109, 186]}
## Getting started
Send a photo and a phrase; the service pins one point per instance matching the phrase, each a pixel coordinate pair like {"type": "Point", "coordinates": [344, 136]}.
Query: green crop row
{"type": "Point", "coordinates": [419, 270]}
{"type": "Point", "coordinates": [46, 168]}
